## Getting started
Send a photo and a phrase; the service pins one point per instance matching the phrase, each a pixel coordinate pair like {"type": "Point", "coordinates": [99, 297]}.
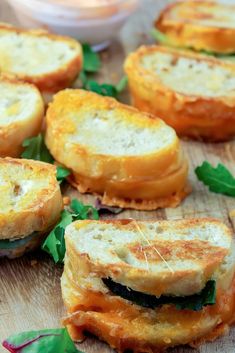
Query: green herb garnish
{"type": "Point", "coordinates": [43, 341]}
{"type": "Point", "coordinates": [61, 173]}
{"type": "Point", "coordinates": [165, 40]}
{"type": "Point", "coordinates": [92, 65]}
{"type": "Point", "coordinates": [192, 302]}
{"type": "Point", "coordinates": [218, 179]}
{"type": "Point", "coordinates": [161, 37]}
{"type": "Point", "coordinates": [55, 243]}
{"type": "Point", "coordinates": [36, 149]}
{"type": "Point", "coordinates": [104, 89]}
{"type": "Point", "coordinates": [91, 60]}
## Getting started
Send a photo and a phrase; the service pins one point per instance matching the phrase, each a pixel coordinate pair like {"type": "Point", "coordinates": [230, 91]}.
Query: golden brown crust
{"type": "Point", "coordinates": [149, 180]}
{"type": "Point", "coordinates": [137, 194]}
{"type": "Point", "coordinates": [13, 134]}
{"type": "Point", "coordinates": [87, 161]}
{"type": "Point", "coordinates": [195, 35]}
{"type": "Point", "coordinates": [55, 80]}
{"type": "Point", "coordinates": [204, 255]}
{"type": "Point", "coordinates": [197, 117]}
{"type": "Point", "coordinates": [28, 207]}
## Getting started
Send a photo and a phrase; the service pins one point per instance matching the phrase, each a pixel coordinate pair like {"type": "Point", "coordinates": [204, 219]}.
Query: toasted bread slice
{"type": "Point", "coordinates": [114, 150]}
{"type": "Point", "coordinates": [31, 200]}
{"type": "Point", "coordinates": [21, 115]}
{"type": "Point", "coordinates": [201, 25]}
{"type": "Point", "coordinates": [49, 61]}
{"type": "Point", "coordinates": [160, 258]}
{"type": "Point", "coordinates": [193, 93]}
{"type": "Point", "coordinates": [173, 258]}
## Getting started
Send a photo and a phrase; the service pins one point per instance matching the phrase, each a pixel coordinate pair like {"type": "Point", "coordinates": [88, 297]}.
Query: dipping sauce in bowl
{"type": "Point", "coordinates": [92, 21]}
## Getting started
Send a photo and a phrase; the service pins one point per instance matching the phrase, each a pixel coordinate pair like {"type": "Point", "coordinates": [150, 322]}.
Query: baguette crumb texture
{"type": "Point", "coordinates": [31, 200]}
{"type": "Point", "coordinates": [194, 76]}
{"type": "Point", "coordinates": [201, 25]}
{"type": "Point", "coordinates": [115, 150]}
{"type": "Point", "coordinates": [193, 93]}
{"type": "Point", "coordinates": [49, 61]}
{"type": "Point", "coordinates": [143, 255]}
{"type": "Point", "coordinates": [137, 141]}
{"type": "Point", "coordinates": [21, 115]}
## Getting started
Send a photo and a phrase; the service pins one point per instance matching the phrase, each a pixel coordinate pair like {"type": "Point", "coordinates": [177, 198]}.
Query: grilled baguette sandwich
{"type": "Point", "coordinates": [200, 25]}
{"type": "Point", "coordinates": [49, 61]}
{"type": "Point", "coordinates": [193, 93]}
{"type": "Point", "coordinates": [21, 115]}
{"type": "Point", "coordinates": [113, 150]}
{"type": "Point", "coordinates": [31, 203]}
{"type": "Point", "coordinates": [146, 286]}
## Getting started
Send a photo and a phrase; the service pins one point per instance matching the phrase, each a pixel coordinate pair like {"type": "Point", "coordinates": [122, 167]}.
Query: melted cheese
{"type": "Point", "coordinates": [165, 191]}
{"type": "Point", "coordinates": [126, 326]}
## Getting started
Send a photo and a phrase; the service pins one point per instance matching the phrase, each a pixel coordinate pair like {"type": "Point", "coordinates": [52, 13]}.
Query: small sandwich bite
{"type": "Point", "coordinates": [147, 286]}
{"type": "Point", "coordinates": [31, 204]}
{"type": "Point", "coordinates": [199, 25]}
{"type": "Point", "coordinates": [21, 115]}
{"type": "Point", "coordinates": [193, 93]}
{"type": "Point", "coordinates": [127, 157]}
{"type": "Point", "coordinates": [49, 61]}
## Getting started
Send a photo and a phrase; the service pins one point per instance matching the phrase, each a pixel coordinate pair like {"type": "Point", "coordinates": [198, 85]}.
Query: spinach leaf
{"type": "Point", "coordinates": [193, 302]}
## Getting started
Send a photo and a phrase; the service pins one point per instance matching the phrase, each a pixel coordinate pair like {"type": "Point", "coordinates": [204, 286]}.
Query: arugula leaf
{"type": "Point", "coordinates": [104, 89]}
{"type": "Point", "coordinates": [55, 243]}
{"type": "Point", "coordinates": [36, 149]}
{"type": "Point", "coordinates": [83, 78]}
{"type": "Point", "coordinates": [83, 211]}
{"type": "Point", "coordinates": [43, 341]}
{"type": "Point", "coordinates": [121, 85]}
{"type": "Point", "coordinates": [91, 61]}
{"type": "Point", "coordinates": [91, 64]}
{"type": "Point", "coordinates": [219, 179]}
{"type": "Point", "coordinates": [193, 302]}
{"type": "Point", "coordinates": [161, 37]}
{"type": "Point", "coordinates": [62, 173]}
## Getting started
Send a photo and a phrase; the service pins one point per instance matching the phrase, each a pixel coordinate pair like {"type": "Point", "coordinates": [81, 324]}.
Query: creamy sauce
{"type": "Point", "coordinates": [84, 3]}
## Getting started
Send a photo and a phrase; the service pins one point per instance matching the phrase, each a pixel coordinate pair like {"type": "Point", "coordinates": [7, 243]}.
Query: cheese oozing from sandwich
{"type": "Point", "coordinates": [155, 260]}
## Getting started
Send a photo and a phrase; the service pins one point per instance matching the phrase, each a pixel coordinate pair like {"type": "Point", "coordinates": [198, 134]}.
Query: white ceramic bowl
{"type": "Point", "coordinates": [95, 25]}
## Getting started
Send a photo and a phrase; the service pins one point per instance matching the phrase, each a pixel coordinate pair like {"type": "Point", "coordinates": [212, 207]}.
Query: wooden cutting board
{"type": "Point", "coordinates": [30, 296]}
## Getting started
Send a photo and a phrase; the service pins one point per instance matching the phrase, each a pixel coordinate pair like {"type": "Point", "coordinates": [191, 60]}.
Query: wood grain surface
{"type": "Point", "coordinates": [30, 296]}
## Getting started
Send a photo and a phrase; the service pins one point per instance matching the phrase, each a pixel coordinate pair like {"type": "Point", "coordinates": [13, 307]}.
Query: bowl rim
{"type": "Point", "coordinates": [52, 9]}
{"type": "Point", "coordinates": [53, 3]}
